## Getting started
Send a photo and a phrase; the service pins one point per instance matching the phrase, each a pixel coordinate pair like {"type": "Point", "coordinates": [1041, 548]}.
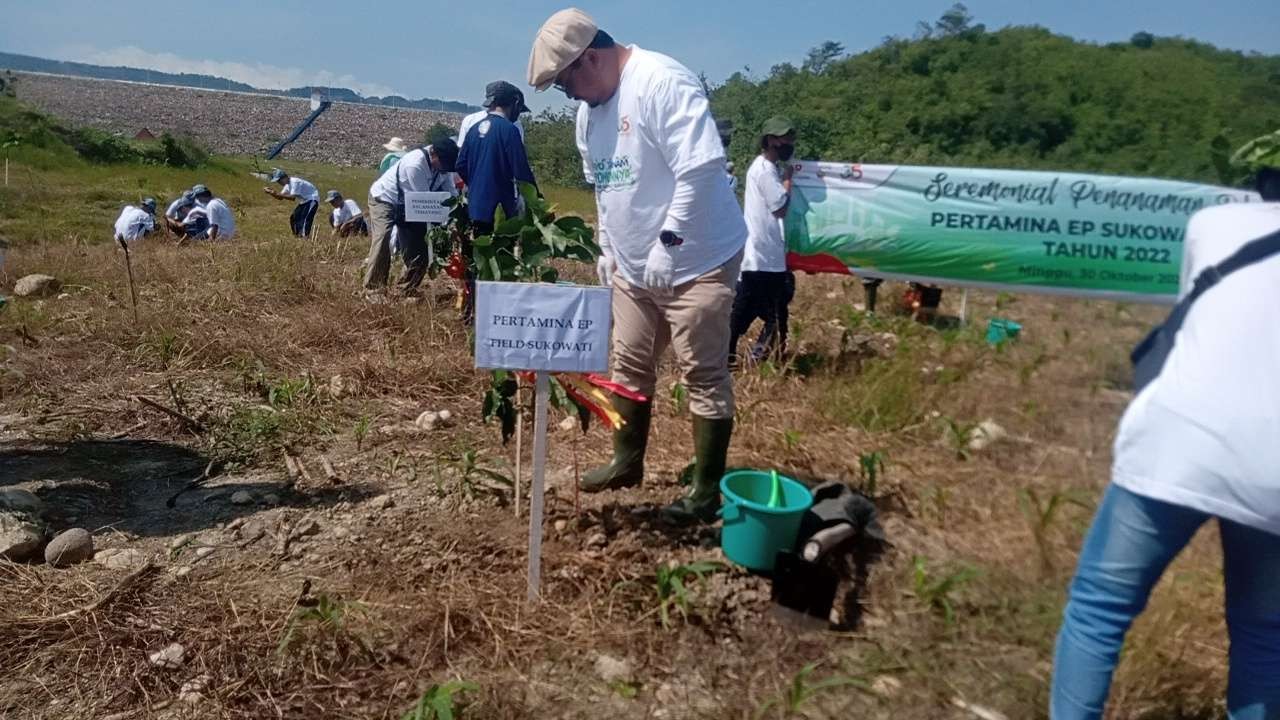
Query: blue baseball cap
{"type": "Point", "coordinates": [332, 196]}
{"type": "Point", "coordinates": [277, 175]}
{"type": "Point", "coordinates": [198, 190]}
{"type": "Point", "coordinates": [149, 204]}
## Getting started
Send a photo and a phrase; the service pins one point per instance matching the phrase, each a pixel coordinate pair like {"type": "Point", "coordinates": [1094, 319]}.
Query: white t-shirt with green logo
{"type": "Point", "coordinates": [656, 127]}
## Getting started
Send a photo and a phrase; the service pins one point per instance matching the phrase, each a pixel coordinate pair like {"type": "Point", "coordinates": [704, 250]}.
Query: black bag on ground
{"type": "Point", "coordinates": [1149, 356]}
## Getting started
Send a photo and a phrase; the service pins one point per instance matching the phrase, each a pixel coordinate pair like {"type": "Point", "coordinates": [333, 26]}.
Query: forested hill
{"type": "Point", "coordinates": [1020, 97]}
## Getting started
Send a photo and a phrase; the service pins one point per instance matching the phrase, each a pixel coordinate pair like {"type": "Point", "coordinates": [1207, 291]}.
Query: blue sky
{"type": "Point", "coordinates": [450, 50]}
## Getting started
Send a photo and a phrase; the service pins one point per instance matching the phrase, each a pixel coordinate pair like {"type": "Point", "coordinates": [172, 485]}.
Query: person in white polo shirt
{"type": "Point", "coordinates": [671, 232]}
{"type": "Point", "coordinates": [766, 287]}
{"type": "Point", "coordinates": [136, 223]}
{"type": "Point", "coordinates": [1197, 443]}
{"type": "Point", "coordinates": [425, 169]}
{"type": "Point", "coordinates": [177, 212]}
{"type": "Point", "coordinates": [346, 219]}
{"type": "Point", "coordinates": [221, 223]}
{"type": "Point", "coordinates": [301, 191]}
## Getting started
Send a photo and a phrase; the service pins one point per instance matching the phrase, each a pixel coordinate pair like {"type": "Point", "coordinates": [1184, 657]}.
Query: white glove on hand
{"type": "Point", "coordinates": [605, 266]}
{"type": "Point", "coordinates": [659, 269]}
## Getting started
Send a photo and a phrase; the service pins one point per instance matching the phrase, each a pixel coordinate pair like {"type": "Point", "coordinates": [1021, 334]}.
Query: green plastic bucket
{"type": "Point", "coordinates": [753, 532]}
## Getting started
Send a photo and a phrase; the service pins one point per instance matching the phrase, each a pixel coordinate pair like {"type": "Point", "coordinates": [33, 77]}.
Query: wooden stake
{"type": "Point", "coordinates": [133, 295]}
{"type": "Point", "coordinates": [542, 389]}
{"type": "Point", "coordinates": [519, 447]}
{"type": "Point", "coordinates": [964, 304]}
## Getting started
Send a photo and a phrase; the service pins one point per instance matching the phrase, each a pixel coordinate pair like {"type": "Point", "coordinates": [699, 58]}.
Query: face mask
{"type": "Point", "coordinates": [786, 151]}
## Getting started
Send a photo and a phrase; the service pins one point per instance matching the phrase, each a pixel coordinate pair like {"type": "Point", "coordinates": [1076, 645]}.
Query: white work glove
{"type": "Point", "coordinates": [659, 269]}
{"type": "Point", "coordinates": [605, 267]}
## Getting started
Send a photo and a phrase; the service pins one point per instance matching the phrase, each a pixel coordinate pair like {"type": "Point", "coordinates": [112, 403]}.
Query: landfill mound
{"type": "Point", "coordinates": [229, 123]}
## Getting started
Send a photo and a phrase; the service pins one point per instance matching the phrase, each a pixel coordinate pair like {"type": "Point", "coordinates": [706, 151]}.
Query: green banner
{"type": "Point", "coordinates": [1067, 233]}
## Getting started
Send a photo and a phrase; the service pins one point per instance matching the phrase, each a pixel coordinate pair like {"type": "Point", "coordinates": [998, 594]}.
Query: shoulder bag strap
{"type": "Point", "coordinates": [1252, 252]}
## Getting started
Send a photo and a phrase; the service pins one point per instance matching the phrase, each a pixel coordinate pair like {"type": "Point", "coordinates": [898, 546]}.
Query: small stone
{"type": "Point", "coordinates": [568, 424]}
{"type": "Point", "coordinates": [182, 572]}
{"type": "Point", "coordinates": [597, 540]}
{"type": "Point", "coordinates": [445, 417]}
{"type": "Point", "coordinates": [22, 501]}
{"type": "Point", "coordinates": [271, 499]}
{"type": "Point", "coordinates": [306, 528]}
{"type": "Point", "coordinates": [427, 420]}
{"type": "Point", "coordinates": [204, 552]}
{"type": "Point", "coordinates": [179, 541]}
{"type": "Point", "coordinates": [886, 686]}
{"type": "Point", "coordinates": [69, 547]}
{"type": "Point", "coordinates": [337, 386]}
{"type": "Point", "coordinates": [611, 669]}
{"type": "Point", "coordinates": [191, 690]}
{"type": "Point", "coordinates": [20, 540]}
{"type": "Point", "coordinates": [561, 525]}
{"type": "Point", "coordinates": [241, 497]}
{"type": "Point", "coordinates": [986, 434]}
{"type": "Point", "coordinates": [235, 524]}
{"type": "Point", "coordinates": [383, 502]}
{"type": "Point", "coordinates": [36, 285]}
{"type": "Point", "coordinates": [121, 558]}
{"type": "Point", "coordinates": [170, 658]}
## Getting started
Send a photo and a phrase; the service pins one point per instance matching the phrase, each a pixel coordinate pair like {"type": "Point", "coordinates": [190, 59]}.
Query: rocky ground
{"type": "Point", "coordinates": [226, 122]}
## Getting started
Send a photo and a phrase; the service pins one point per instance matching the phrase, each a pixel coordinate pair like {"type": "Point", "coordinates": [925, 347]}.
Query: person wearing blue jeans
{"type": "Point", "coordinates": [1132, 541]}
{"type": "Point", "coordinates": [1200, 441]}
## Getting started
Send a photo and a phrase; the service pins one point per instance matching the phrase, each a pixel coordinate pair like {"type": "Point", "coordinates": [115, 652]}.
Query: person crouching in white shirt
{"type": "Point", "coordinates": [135, 223]}
{"type": "Point", "coordinates": [671, 233]}
{"type": "Point", "coordinates": [177, 212]}
{"type": "Point", "coordinates": [346, 218]}
{"type": "Point", "coordinates": [221, 223]}
{"type": "Point", "coordinates": [766, 287]}
{"type": "Point", "coordinates": [308, 198]}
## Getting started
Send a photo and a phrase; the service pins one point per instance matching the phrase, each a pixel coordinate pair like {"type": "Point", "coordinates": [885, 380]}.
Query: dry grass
{"type": "Point", "coordinates": [440, 588]}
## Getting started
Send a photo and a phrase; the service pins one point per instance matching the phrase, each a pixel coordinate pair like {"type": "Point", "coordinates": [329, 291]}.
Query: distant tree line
{"type": "Point", "coordinates": [1020, 97]}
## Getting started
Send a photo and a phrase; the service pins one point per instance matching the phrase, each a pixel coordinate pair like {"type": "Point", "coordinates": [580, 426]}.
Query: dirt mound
{"type": "Point", "coordinates": [228, 123]}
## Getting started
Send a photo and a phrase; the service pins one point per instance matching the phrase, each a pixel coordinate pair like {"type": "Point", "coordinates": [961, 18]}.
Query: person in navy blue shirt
{"type": "Point", "coordinates": [491, 161]}
{"type": "Point", "coordinates": [492, 156]}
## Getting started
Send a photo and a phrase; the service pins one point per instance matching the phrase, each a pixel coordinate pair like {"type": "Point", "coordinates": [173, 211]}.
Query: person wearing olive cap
{"type": "Point", "coordinates": [766, 287]}
{"type": "Point", "coordinates": [425, 169]}
{"type": "Point", "coordinates": [346, 219]}
{"type": "Point", "coordinates": [1197, 443]}
{"type": "Point", "coordinates": [671, 233]}
{"type": "Point", "coordinates": [135, 223]}
{"type": "Point", "coordinates": [302, 191]}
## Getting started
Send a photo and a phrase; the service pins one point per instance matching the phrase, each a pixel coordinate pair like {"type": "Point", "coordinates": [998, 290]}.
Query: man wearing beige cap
{"type": "Point", "coordinates": [672, 235]}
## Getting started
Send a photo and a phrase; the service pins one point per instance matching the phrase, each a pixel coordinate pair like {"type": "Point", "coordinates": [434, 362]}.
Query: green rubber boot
{"type": "Point", "coordinates": [627, 467]}
{"type": "Point", "coordinates": [711, 449]}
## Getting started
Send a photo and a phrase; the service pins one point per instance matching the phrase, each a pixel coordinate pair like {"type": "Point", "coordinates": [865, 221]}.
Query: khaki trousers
{"type": "Point", "coordinates": [694, 320]}
{"type": "Point", "coordinates": [382, 218]}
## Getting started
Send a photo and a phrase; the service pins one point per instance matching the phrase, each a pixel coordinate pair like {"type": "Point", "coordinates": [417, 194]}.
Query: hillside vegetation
{"type": "Point", "coordinates": [1019, 97]}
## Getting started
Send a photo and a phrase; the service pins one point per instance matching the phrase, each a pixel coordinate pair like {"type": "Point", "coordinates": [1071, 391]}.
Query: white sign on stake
{"type": "Point", "coordinates": [546, 328]}
{"type": "Point", "coordinates": [530, 326]}
{"type": "Point", "coordinates": [426, 206]}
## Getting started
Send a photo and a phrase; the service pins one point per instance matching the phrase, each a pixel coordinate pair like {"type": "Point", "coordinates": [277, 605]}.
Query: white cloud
{"type": "Point", "coordinates": [259, 75]}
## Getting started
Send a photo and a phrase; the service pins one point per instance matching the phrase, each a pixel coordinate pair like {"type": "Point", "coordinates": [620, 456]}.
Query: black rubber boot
{"type": "Point", "coordinates": [711, 450]}
{"type": "Point", "coordinates": [629, 442]}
